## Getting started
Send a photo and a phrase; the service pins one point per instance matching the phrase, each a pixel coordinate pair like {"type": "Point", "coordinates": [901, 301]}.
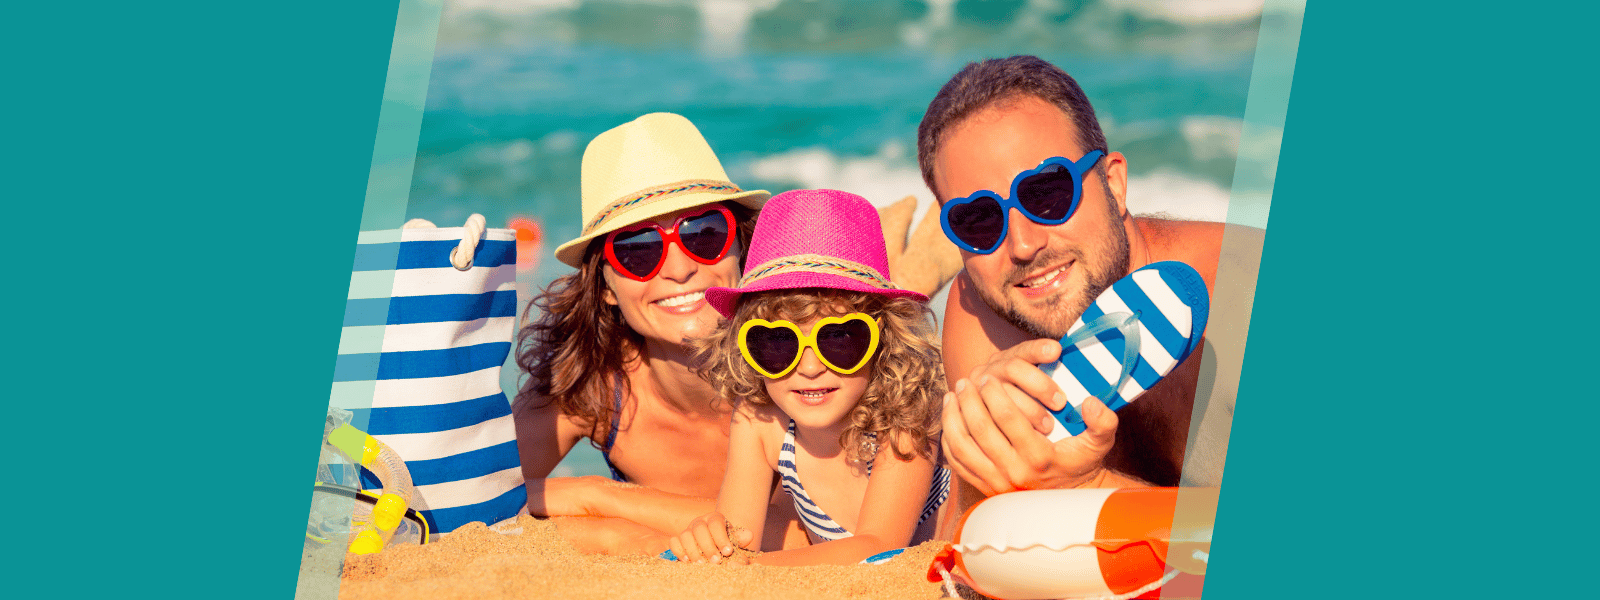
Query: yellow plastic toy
{"type": "Point", "coordinates": [376, 519]}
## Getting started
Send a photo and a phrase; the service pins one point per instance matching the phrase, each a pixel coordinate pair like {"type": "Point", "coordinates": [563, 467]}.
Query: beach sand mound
{"type": "Point", "coordinates": [527, 559]}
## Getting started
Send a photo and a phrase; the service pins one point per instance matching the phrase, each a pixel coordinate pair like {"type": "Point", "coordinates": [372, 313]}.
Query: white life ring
{"type": "Point", "coordinates": [1094, 543]}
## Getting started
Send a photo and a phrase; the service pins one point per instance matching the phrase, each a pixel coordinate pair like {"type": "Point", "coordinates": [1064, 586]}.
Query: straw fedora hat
{"type": "Point", "coordinates": [648, 167]}
{"type": "Point", "coordinates": [814, 239]}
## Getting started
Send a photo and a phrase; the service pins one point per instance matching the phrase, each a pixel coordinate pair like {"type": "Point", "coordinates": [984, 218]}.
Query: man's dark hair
{"type": "Point", "coordinates": [982, 84]}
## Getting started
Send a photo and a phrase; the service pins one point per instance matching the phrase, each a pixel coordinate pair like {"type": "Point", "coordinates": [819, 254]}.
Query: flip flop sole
{"type": "Point", "coordinates": [1163, 307]}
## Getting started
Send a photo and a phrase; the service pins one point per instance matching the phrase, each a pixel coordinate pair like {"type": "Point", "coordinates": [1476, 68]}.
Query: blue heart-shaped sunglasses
{"type": "Point", "coordinates": [1047, 195]}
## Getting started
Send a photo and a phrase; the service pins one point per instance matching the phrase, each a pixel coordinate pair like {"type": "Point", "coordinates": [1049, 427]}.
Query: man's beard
{"type": "Point", "coordinates": [1070, 307]}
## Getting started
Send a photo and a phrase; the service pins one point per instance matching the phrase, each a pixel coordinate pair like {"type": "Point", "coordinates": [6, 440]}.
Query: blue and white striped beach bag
{"type": "Point", "coordinates": [429, 352]}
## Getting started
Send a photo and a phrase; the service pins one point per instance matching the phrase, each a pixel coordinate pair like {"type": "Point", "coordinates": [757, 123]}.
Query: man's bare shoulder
{"type": "Point", "coordinates": [1196, 243]}
{"type": "Point", "coordinates": [972, 331]}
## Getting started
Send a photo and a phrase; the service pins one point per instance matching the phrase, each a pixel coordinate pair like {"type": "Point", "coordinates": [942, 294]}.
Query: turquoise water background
{"type": "Point", "coordinates": [806, 94]}
{"type": "Point", "coordinates": [809, 93]}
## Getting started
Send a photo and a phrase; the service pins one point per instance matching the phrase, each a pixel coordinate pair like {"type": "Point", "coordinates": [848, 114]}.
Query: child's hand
{"type": "Point", "coordinates": [707, 539]}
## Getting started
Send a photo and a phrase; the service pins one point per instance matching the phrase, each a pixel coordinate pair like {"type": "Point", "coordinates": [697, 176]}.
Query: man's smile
{"type": "Point", "coordinates": [1046, 281]}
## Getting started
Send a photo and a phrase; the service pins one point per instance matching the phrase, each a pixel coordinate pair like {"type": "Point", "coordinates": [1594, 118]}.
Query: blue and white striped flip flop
{"type": "Point", "coordinates": [882, 557]}
{"type": "Point", "coordinates": [1135, 333]}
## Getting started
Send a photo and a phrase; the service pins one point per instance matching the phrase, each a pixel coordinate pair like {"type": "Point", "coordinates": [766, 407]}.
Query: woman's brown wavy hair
{"type": "Point", "coordinates": [904, 397]}
{"type": "Point", "coordinates": [575, 344]}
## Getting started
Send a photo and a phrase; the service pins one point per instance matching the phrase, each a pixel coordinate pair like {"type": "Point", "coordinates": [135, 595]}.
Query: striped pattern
{"type": "Point", "coordinates": [818, 521]}
{"type": "Point", "coordinates": [1170, 303]}
{"type": "Point", "coordinates": [431, 351]}
{"type": "Point", "coordinates": [937, 494]}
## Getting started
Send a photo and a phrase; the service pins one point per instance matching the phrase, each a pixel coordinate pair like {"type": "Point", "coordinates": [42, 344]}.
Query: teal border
{"type": "Point", "coordinates": [405, 94]}
{"type": "Point", "coordinates": [1249, 202]}
{"type": "Point", "coordinates": [1265, 111]}
{"type": "Point", "coordinates": [394, 154]}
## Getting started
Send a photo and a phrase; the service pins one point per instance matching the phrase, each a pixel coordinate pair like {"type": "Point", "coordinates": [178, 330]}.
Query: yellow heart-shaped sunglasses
{"type": "Point", "coordinates": [774, 348]}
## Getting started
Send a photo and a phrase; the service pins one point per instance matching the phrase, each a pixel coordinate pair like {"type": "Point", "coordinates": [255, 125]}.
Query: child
{"type": "Point", "coordinates": [837, 381]}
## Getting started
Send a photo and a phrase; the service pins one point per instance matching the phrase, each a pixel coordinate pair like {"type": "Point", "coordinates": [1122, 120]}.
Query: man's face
{"type": "Point", "coordinates": [1042, 277]}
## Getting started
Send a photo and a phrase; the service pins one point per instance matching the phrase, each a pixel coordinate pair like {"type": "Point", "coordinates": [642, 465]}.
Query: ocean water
{"type": "Point", "coordinates": [807, 94]}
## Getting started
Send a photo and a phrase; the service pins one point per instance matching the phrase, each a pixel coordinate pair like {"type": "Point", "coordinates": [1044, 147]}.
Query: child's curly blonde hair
{"type": "Point", "coordinates": [903, 397]}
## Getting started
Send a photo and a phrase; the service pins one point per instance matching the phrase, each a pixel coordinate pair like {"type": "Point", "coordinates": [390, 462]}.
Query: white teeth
{"type": "Point", "coordinates": [689, 298]}
{"type": "Point", "coordinates": [1040, 280]}
{"type": "Point", "coordinates": [812, 393]}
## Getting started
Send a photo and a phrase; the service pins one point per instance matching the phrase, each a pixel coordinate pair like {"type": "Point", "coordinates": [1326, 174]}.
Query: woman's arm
{"type": "Point", "coordinates": [895, 496]}
{"type": "Point", "coordinates": [544, 437]}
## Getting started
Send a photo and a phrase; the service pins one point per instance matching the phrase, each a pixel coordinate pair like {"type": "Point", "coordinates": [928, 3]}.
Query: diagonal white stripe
{"type": "Point", "coordinates": [361, 339]}
{"type": "Point", "coordinates": [1070, 386]}
{"type": "Point", "coordinates": [351, 395]}
{"type": "Point", "coordinates": [440, 444]}
{"type": "Point", "coordinates": [447, 280]}
{"type": "Point", "coordinates": [1109, 366]}
{"type": "Point", "coordinates": [470, 491]}
{"type": "Point", "coordinates": [447, 334]}
{"type": "Point", "coordinates": [435, 234]}
{"type": "Point", "coordinates": [435, 390]}
{"type": "Point", "coordinates": [1172, 308]}
{"type": "Point", "coordinates": [370, 284]}
{"type": "Point", "coordinates": [1150, 348]}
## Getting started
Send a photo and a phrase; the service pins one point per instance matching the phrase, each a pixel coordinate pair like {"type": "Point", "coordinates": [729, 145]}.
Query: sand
{"type": "Point", "coordinates": [527, 559]}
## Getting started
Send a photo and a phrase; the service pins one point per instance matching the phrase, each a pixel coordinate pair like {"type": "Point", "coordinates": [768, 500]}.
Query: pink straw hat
{"type": "Point", "coordinates": [814, 239]}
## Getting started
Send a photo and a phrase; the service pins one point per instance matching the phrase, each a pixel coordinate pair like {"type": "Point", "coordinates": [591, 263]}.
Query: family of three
{"type": "Point", "coordinates": [754, 378]}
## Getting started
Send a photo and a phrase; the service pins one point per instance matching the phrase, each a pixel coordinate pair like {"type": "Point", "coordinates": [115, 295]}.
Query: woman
{"type": "Point", "coordinates": [607, 358]}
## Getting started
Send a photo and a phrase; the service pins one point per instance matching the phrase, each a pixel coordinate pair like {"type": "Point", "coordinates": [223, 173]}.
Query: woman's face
{"type": "Point", "coordinates": [671, 307]}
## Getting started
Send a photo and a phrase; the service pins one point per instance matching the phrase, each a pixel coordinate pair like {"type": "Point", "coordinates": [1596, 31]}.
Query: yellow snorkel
{"type": "Point", "coordinates": [388, 508]}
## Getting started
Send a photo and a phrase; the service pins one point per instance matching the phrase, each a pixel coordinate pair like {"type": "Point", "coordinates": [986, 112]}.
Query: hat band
{"type": "Point", "coordinates": [659, 193]}
{"type": "Point", "coordinates": [816, 263]}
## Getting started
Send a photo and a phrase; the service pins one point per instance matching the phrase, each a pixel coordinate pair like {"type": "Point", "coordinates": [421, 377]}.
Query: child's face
{"type": "Point", "coordinates": [814, 395]}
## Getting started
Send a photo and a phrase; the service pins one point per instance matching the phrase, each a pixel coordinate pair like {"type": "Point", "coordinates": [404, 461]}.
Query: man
{"type": "Point", "coordinates": [990, 122]}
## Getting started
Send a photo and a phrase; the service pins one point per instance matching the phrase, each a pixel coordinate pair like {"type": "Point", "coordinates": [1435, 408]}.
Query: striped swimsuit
{"type": "Point", "coordinates": [818, 522]}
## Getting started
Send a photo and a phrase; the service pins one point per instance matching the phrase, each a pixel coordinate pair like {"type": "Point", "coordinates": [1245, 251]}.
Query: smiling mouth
{"type": "Point", "coordinates": [815, 396]}
{"type": "Point", "coordinates": [1044, 279]}
{"type": "Point", "coordinates": [682, 300]}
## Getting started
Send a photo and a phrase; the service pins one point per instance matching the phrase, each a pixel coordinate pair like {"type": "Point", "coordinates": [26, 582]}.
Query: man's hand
{"type": "Point", "coordinates": [707, 540]}
{"type": "Point", "coordinates": [995, 424]}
